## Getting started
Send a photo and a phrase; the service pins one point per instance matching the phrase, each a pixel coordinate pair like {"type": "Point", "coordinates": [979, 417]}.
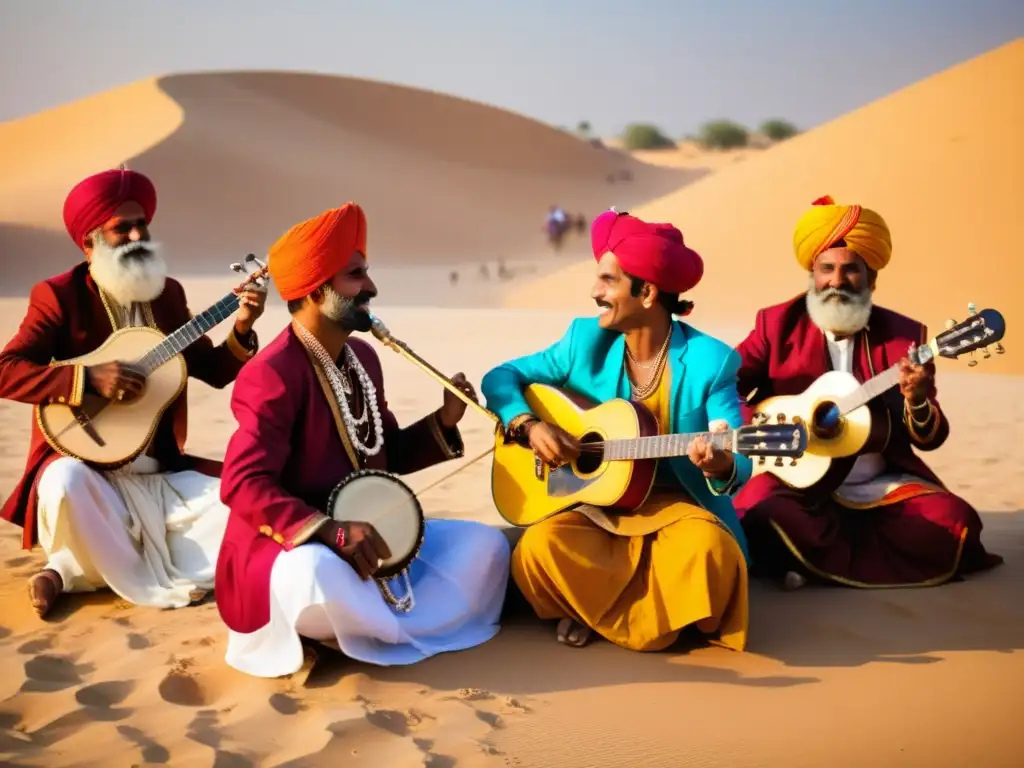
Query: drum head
{"type": "Point", "coordinates": [389, 505]}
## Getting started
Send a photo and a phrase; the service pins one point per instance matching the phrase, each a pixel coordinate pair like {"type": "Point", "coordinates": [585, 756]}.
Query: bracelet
{"type": "Point", "coordinates": [517, 427]}
{"type": "Point", "coordinates": [339, 538]}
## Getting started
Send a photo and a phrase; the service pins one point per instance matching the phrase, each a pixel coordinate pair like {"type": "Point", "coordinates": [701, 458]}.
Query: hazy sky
{"type": "Point", "coordinates": [676, 63]}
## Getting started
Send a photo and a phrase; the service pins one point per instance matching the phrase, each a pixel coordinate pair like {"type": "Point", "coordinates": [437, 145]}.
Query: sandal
{"type": "Point", "coordinates": [570, 632]}
{"type": "Point", "coordinates": [44, 588]}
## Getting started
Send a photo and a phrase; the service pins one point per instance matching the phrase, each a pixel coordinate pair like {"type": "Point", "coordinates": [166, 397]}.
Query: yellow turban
{"type": "Point", "coordinates": [825, 224]}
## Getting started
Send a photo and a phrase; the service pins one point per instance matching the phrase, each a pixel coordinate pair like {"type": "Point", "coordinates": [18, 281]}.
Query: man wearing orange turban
{"type": "Point", "coordinates": [311, 413]}
{"type": "Point", "coordinates": [86, 517]}
{"type": "Point", "coordinates": [637, 580]}
{"type": "Point", "coordinates": [882, 518]}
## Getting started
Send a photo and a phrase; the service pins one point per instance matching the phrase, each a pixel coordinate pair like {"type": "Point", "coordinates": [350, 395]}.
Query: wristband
{"type": "Point", "coordinates": [339, 538]}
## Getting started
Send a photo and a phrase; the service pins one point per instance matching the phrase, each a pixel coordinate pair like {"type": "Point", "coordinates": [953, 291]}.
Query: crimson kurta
{"type": "Point", "coordinates": [67, 317]}
{"type": "Point", "coordinates": [285, 458]}
{"type": "Point", "coordinates": [912, 537]}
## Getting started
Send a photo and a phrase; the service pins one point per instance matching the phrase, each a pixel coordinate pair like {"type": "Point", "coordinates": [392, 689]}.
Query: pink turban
{"type": "Point", "coordinates": [653, 252]}
{"type": "Point", "coordinates": [94, 200]}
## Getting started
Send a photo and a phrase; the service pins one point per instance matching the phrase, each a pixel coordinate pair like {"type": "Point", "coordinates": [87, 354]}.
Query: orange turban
{"type": "Point", "coordinates": [864, 232]}
{"type": "Point", "coordinates": [313, 251]}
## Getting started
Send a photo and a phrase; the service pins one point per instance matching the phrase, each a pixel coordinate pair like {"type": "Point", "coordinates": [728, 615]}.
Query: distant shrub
{"type": "Point", "coordinates": [724, 134]}
{"type": "Point", "coordinates": [778, 130]}
{"type": "Point", "coordinates": [645, 136]}
{"type": "Point", "coordinates": [583, 128]}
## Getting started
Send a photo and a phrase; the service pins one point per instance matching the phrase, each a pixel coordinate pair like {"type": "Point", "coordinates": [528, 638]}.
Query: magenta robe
{"type": "Point", "coordinates": [916, 536]}
{"type": "Point", "coordinates": [285, 458]}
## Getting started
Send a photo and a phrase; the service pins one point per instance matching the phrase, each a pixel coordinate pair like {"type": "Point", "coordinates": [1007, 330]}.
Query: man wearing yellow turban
{"type": "Point", "coordinates": [886, 520]}
{"type": "Point", "coordinates": [311, 411]}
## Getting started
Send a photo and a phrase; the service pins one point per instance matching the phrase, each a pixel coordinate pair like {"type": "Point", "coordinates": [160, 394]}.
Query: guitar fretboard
{"type": "Point", "coordinates": [869, 390]}
{"type": "Point", "coordinates": [188, 333]}
{"type": "Point", "coordinates": [663, 446]}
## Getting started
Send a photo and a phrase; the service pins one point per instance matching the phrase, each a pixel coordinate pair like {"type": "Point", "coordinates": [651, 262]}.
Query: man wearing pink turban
{"type": "Point", "coordinates": [881, 519]}
{"type": "Point", "coordinates": [84, 518]}
{"type": "Point", "coordinates": [680, 561]}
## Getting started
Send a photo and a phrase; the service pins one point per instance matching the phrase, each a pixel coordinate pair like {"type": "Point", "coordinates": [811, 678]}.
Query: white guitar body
{"type": "Point", "coordinates": [125, 428]}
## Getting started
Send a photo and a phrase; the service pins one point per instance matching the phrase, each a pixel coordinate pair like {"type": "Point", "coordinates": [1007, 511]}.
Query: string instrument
{"type": "Point", "coordinates": [107, 433]}
{"type": "Point", "coordinates": [845, 418]}
{"type": "Point", "coordinates": [620, 447]}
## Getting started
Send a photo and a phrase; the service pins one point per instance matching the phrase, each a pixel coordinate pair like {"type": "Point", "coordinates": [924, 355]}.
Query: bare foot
{"type": "Point", "coordinates": [793, 581]}
{"type": "Point", "coordinates": [572, 633]}
{"type": "Point", "coordinates": [43, 590]}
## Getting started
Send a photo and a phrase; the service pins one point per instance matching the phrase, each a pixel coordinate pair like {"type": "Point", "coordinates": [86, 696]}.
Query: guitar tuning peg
{"type": "Point", "coordinates": [950, 323]}
{"type": "Point", "coordinates": [985, 354]}
{"type": "Point", "coordinates": [239, 268]}
{"type": "Point", "coordinates": [1000, 349]}
{"type": "Point", "coordinates": [972, 309]}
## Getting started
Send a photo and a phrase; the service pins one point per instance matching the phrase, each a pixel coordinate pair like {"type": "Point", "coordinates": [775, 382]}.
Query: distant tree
{"type": "Point", "coordinates": [645, 136]}
{"type": "Point", "coordinates": [723, 134]}
{"type": "Point", "coordinates": [583, 128]}
{"type": "Point", "coordinates": [778, 130]}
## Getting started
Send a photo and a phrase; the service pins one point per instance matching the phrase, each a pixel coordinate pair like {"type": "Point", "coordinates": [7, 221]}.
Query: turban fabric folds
{"type": "Point", "coordinates": [94, 200]}
{"type": "Point", "coordinates": [653, 252]}
{"type": "Point", "coordinates": [864, 232]}
{"type": "Point", "coordinates": [313, 251]}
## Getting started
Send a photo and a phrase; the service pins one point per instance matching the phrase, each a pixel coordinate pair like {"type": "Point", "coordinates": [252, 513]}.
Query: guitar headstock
{"type": "Point", "coordinates": [257, 274]}
{"type": "Point", "coordinates": [980, 330]}
{"type": "Point", "coordinates": [772, 440]}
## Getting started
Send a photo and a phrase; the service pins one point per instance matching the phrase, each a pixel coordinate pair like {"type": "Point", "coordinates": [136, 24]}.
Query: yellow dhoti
{"type": "Point", "coordinates": [640, 579]}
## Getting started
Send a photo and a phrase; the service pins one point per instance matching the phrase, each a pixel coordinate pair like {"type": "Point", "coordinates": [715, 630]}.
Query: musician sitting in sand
{"type": "Point", "coordinates": [311, 411]}
{"type": "Point", "coordinates": [149, 530]}
{"type": "Point", "coordinates": [680, 561]}
{"type": "Point", "coordinates": [885, 519]}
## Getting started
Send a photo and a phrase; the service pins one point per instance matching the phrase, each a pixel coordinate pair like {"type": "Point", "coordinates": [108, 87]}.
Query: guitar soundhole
{"type": "Point", "coordinates": [826, 421]}
{"type": "Point", "coordinates": [590, 460]}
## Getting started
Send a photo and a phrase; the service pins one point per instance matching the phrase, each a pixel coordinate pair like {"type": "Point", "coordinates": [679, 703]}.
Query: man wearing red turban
{"type": "Point", "coordinates": [637, 580]}
{"type": "Point", "coordinates": [880, 519]}
{"type": "Point", "coordinates": [83, 518]}
{"type": "Point", "coordinates": [311, 413]}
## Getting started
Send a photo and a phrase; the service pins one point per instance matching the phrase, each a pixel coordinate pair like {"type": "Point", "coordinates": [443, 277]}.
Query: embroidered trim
{"type": "Point", "coordinates": [77, 386]}
{"type": "Point", "coordinates": [434, 420]}
{"type": "Point", "coordinates": [313, 524]}
{"type": "Point", "coordinates": [238, 349]}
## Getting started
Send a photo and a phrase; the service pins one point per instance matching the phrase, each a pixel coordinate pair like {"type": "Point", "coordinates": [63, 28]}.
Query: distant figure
{"type": "Point", "coordinates": [484, 272]}
{"type": "Point", "coordinates": [556, 225]}
{"type": "Point", "coordinates": [503, 272]}
{"type": "Point", "coordinates": [453, 277]}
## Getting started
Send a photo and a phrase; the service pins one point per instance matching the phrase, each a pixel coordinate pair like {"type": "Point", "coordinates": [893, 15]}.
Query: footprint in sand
{"type": "Point", "coordinates": [137, 642]}
{"type": "Point", "coordinates": [40, 644]}
{"type": "Point", "coordinates": [17, 562]}
{"type": "Point", "coordinates": [4, 633]}
{"type": "Point", "coordinates": [284, 704]}
{"type": "Point", "coordinates": [152, 752]}
{"type": "Point", "coordinates": [100, 700]}
{"type": "Point", "coordinates": [184, 690]}
{"type": "Point", "coordinates": [47, 673]}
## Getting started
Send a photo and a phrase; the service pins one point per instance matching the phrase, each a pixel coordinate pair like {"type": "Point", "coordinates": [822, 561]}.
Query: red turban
{"type": "Point", "coordinates": [653, 252]}
{"type": "Point", "coordinates": [94, 200]}
{"type": "Point", "coordinates": [313, 251]}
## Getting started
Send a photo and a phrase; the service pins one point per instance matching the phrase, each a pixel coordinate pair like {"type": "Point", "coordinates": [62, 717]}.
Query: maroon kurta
{"type": "Point", "coordinates": [907, 540]}
{"type": "Point", "coordinates": [67, 317]}
{"type": "Point", "coordinates": [284, 460]}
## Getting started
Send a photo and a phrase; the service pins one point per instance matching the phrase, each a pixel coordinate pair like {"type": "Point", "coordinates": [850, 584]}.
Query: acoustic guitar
{"type": "Point", "coordinates": [619, 456]}
{"type": "Point", "coordinates": [108, 433]}
{"type": "Point", "coordinates": [845, 418]}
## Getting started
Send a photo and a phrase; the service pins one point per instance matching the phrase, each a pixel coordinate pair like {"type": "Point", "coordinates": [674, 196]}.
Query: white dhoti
{"type": "Point", "coordinates": [458, 579]}
{"type": "Point", "coordinates": [149, 536]}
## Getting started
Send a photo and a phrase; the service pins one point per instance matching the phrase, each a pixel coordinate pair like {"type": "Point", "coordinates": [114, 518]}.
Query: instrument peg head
{"type": "Point", "coordinates": [972, 308]}
{"type": "Point", "coordinates": [1000, 349]}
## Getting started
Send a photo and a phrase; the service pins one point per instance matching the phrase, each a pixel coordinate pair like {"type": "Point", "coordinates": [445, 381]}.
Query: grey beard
{"type": "Point", "coordinates": [343, 312]}
{"type": "Point", "coordinates": [125, 277]}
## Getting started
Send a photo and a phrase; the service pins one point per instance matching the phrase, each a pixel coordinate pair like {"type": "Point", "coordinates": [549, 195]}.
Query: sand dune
{"type": "Point", "coordinates": [239, 157]}
{"type": "Point", "coordinates": [940, 160]}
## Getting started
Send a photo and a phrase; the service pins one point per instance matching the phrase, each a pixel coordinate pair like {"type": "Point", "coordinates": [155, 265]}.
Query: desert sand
{"type": "Point", "coordinates": [832, 677]}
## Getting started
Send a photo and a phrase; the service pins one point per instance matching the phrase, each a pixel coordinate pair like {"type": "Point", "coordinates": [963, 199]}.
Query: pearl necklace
{"type": "Point", "coordinates": [343, 388]}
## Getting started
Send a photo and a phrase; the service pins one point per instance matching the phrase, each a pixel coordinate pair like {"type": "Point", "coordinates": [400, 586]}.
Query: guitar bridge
{"type": "Point", "coordinates": [86, 424]}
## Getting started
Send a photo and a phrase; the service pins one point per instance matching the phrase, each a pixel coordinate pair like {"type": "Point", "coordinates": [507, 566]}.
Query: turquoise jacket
{"type": "Point", "coordinates": [589, 361]}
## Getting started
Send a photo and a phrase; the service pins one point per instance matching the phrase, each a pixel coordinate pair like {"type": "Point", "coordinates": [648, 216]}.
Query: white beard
{"type": "Point", "coordinates": [333, 307]}
{"type": "Point", "coordinates": [837, 311]}
{"type": "Point", "coordinates": [126, 277]}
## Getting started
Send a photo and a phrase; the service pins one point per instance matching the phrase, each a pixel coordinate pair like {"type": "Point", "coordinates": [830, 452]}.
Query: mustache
{"type": "Point", "coordinates": [363, 297]}
{"type": "Point", "coordinates": [137, 250]}
{"type": "Point", "coordinates": [843, 294]}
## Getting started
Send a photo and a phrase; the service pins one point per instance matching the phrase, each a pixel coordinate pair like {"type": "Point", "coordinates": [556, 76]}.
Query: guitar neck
{"type": "Point", "coordinates": [189, 333]}
{"type": "Point", "coordinates": [664, 446]}
{"type": "Point", "coordinates": [869, 390]}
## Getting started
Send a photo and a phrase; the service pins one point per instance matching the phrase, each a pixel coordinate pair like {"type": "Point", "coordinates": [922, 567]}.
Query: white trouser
{"type": "Point", "coordinates": [151, 537]}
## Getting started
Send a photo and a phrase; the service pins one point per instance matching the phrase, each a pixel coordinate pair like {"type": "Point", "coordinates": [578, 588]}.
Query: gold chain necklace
{"type": "Point", "coordinates": [641, 391]}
